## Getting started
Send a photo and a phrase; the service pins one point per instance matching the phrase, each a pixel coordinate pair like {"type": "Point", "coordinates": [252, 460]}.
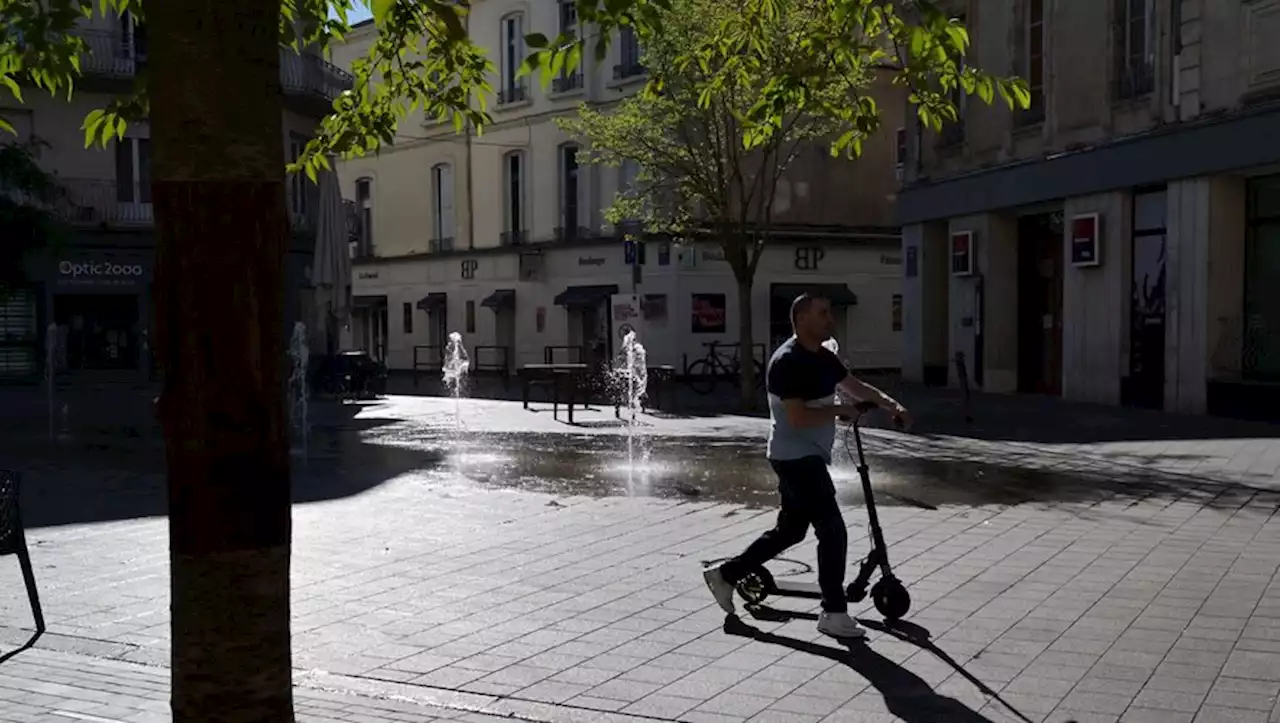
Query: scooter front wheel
{"type": "Point", "coordinates": [891, 598]}
{"type": "Point", "coordinates": [755, 586]}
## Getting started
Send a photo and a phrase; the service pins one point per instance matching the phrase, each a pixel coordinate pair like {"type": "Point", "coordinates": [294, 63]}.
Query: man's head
{"type": "Point", "coordinates": [811, 318]}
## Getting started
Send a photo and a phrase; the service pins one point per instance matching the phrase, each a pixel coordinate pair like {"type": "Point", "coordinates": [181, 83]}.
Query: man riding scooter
{"type": "Point", "coordinates": [801, 380]}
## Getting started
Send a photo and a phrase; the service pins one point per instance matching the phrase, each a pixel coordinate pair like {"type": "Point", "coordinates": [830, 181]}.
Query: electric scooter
{"type": "Point", "coordinates": [888, 593]}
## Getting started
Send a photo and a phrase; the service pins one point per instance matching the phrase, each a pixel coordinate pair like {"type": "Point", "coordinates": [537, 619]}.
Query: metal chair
{"type": "Point", "coordinates": [13, 539]}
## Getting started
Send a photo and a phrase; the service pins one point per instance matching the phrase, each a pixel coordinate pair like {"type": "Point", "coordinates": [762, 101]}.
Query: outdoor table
{"type": "Point", "coordinates": [556, 374]}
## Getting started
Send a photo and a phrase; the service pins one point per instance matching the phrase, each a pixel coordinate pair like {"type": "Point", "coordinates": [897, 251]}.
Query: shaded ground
{"type": "Point", "coordinates": [499, 561]}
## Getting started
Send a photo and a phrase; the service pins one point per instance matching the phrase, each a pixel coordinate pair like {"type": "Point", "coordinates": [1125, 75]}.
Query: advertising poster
{"type": "Point", "coordinates": [709, 313]}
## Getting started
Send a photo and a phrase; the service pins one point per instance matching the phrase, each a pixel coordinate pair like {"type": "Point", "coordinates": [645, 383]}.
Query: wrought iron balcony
{"type": "Point", "coordinates": [112, 54]}
{"type": "Point", "coordinates": [566, 83]}
{"type": "Point", "coordinates": [514, 238]}
{"type": "Point", "coordinates": [629, 69]}
{"type": "Point", "coordinates": [94, 202]}
{"type": "Point", "coordinates": [119, 55]}
{"type": "Point", "coordinates": [512, 94]}
{"type": "Point", "coordinates": [310, 74]}
{"type": "Point", "coordinates": [441, 244]}
{"type": "Point", "coordinates": [1134, 81]}
{"type": "Point", "coordinates": [573, 233]}
{"type": "Point", "coordinates": [952, 134]}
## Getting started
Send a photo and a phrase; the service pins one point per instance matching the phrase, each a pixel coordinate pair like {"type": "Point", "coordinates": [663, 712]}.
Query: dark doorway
{"type": "Point", "coordinates": [98, 332]}
{"type": "Point", "coordinates": [1144, 386]}
{"type": "Point", "coordinates": [597, 339]}
{"type": "Point", "coordinates": [1040, 304]}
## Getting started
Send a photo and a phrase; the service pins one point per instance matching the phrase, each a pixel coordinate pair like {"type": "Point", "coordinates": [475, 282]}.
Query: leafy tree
{"type": "Point", "coordinates": [27, 193]}
{"type": "Point", "coordinates": [210, 92]}
{"type": "Point", "coordinates": [706, 170]}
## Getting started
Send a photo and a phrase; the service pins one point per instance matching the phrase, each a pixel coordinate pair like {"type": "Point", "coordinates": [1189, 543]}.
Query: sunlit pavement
{"type": "Point", "coordinates": [483, 558]}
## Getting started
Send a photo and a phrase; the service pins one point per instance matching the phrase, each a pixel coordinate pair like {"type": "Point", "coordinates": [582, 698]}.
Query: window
{"type": "Point", "coordinates": [442, 214]}
{"type": "Point", "coordinates": [1033, 59]}
{"type": "Point", "coordinates": [569, 191]}
{"type": "Point", "coordinates": [897, 312]}
{"type": "Point", "coordinates": [133, 170]}
{"type": "Point", "coordinates": [407, 318]}
{"type": "Point", "coordinates": [1134, 48]}
{"type": "Point", "coordinates": [900, 150]}
{"type": "Point", "coordinates": [953, 132]}
{"type": "Point", "coordinates": [513, 172]}
{"type": "Point", "coordinates": [364, 216]}
{"type": "Point", "coordinates": [133, 39]}
{"type": "Point", "coordinates": [628, 54]}
{"type": "Point", "coordinates": [568, 80]}
{"type": "Point", "coordinates": [1261, 337]}
{"type": "Point", "coordinates": [471, 317]}
{"type": "Point", "coordinates": [298, 183]}
{"type": "Point", "coordinates": [513, 52]}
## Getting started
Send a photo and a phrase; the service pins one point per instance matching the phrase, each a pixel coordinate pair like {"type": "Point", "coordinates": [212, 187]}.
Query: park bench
{"type": "Point", "coordinates": [564, 381]}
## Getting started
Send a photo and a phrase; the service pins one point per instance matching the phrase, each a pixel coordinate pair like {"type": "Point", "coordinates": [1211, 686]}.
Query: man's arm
{"type": "Point", "coordinates": [863, 392]}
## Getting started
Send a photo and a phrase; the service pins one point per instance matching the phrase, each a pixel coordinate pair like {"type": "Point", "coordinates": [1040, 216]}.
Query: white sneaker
{"type": "Point", "coordinates": [840, 625]}
{"type": "Point", "coordinates": [719, 587]}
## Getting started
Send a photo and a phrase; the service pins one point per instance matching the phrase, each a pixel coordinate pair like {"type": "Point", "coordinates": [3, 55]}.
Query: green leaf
{"type": "Point", "coordinates": [380, 10]}
{"type": "Point", "coordinates": [536, 41]}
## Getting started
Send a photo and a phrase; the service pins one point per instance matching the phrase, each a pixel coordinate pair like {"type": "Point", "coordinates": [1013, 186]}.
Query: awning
{"type": "Point", "coordinates": [837, 294]}
{"type": "Point", "coordinates": [368, 302]}
{"type": "Point", "coordinates": [585, 295]}
{"type": "Point", "coordinates": [500, 299]}
{"type": "Point", "coordinates": [433, 301]}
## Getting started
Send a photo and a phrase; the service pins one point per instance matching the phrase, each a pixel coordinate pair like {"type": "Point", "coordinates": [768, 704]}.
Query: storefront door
{"type": "Point", "coordinates": [1040, 304]}
{"type": "Point", "coordinates": [98, 332]}
{"type": "Point", "coordinates": [1145, 385]}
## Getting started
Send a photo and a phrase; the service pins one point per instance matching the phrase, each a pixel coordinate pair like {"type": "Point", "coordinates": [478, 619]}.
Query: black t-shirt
{"type": "Point", "coordinates": [795, 372]}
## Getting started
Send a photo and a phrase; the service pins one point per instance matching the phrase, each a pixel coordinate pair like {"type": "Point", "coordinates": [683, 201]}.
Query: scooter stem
{"type": "Point", "coordinates": [873, 518]}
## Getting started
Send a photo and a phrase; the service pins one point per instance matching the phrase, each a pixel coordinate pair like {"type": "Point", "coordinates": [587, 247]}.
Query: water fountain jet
{"type": "Point", "coordinates": [454, 369]}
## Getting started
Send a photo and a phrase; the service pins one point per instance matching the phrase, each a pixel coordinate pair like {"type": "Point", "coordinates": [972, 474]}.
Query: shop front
{"type": "Point", "coordinates": [99, 308]}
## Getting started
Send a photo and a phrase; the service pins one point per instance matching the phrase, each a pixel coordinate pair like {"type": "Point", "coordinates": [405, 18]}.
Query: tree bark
{"type": "Point", "coordinates": [221, 239]}
{"type": "Point", "coordinates": [746, 337]}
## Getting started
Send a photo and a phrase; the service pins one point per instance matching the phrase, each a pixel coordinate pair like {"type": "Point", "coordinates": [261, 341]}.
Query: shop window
{"type": "Point", "coordinates": [407, 318]}
{"type": "Point", "coordinates": [471, 317]}
{"type": "Point", "coordinates": [1260, 340]}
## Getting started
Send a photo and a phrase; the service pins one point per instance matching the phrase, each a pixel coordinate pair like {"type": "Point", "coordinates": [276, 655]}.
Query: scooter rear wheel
{"type": "Point", "coordinates": [755, 586]}
{"type": "Point", "coordinates": [891, 598]}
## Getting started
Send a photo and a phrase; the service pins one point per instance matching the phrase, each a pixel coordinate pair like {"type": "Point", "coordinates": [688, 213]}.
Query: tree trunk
{"type": "Point", "coordinates": [221, 238]}
{"type": "Point", "coordinates": [747, 350]}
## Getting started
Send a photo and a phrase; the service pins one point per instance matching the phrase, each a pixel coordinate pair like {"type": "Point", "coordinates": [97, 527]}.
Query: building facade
{"type": "Point", "coordinates": [1117, 242]}
{"type": "Point", "coordinates": [502, 236]}
{"type": "Point", "coordinates": [94, 284]}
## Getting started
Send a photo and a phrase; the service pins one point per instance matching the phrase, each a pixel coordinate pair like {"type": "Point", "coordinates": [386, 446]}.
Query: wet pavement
{"type": "Point", "coordinates": [487, 559]}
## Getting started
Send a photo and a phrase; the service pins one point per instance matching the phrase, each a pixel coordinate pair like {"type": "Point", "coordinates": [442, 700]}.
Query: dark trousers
{"type": "Point", "coordinates": [808, 498]}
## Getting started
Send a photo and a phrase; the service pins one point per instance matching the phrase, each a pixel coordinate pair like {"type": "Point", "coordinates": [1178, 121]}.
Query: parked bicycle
{"type": "Point", "coordinates": [702, 375]}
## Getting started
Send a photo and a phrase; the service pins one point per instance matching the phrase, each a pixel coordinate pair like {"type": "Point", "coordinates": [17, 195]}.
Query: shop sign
{"type": "Point", "coordinates": [367, 275]}
{"type": "Point", "coordinates": [809, 257]}
{"type": "Point", "coordinates": [1084, 239]}
{"type": "Point", "coordinates": [591, 261]}
{"type": "Point", "coordinates": [709, 312]}
{"type": "Point", "coordinates": [100, 273]}
{"type": "Point", "coordinates": [713, 254]}
{"type": "Point", "coordinates": [962, 253]}
{"type": "Point", "coordinates": [469, 267]}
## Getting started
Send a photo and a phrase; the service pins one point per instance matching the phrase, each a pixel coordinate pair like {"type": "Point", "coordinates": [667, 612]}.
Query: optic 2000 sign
{"type": "Point", "coordinates": [67, 268]}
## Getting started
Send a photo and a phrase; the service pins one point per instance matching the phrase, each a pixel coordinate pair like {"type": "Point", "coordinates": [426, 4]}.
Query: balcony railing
{"type": "Point", "coordinates": [441, 244]}
{"type": "Point", "coordinates": [1134, 81]}
{"type": "Point", "coordinates": [96, 202]}
{"type": "Point", "coordinates": [572, 233]}
{"type": "Point", "coordinates": [115, 54]}
{"type": "Point", "coordinates": [566, 83]}
{"type": "Point", "coordinates": [629, 69]}
{"type": "Point", "coordinates": [513, 94]}
{"type": "Point", "coordinates": [91, 202]}
{"type": "Point", "coordinates": [112, 54]}
{"type": "Point", "coordinates": [310, 74]}
{"type": "Point", "coordinates": [514, 238]}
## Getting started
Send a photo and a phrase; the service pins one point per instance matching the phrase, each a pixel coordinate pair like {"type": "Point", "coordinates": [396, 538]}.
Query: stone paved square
{"type": "Point", "coordinates": [482, 585]}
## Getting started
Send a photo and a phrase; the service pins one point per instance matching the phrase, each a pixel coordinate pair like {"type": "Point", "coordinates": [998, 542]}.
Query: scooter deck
{"type": "Point", "coordinates": [798, 589]}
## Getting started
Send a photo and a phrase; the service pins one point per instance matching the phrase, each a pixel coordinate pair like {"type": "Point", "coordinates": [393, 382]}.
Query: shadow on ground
{"type": "Point", "coordinates": [906, 695]}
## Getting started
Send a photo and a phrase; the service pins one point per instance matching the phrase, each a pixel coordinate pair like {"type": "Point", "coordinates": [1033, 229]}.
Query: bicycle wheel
{"type": "Point", "coordinates": [701, 377]}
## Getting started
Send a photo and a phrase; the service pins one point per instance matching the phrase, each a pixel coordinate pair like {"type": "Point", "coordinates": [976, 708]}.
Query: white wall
{"type": "Point", "coordinates": [1096, 303]}
{"type": "Point", "coordinates": [867, 338]}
